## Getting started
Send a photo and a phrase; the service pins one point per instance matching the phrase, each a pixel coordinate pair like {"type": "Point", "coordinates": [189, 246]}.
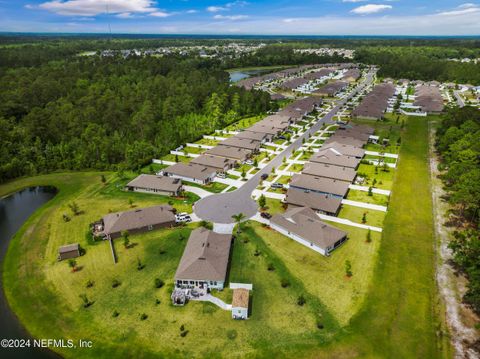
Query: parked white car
{"type": "Point", "coordinates": [221, 175]}
{"type": "Point", "coordinates": [182, 217]}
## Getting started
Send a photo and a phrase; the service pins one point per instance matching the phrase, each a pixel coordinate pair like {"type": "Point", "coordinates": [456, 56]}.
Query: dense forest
{"type": "Point", "coordinates": [424, 63]}
{"type": "Point", "coordinates": [459, 146]}
{"type": "Point", "coordinates": [98, 112]}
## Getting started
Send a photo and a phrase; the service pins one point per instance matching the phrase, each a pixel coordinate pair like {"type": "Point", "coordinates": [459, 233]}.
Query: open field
{"type": "Point", "coordinates": [388, 309]}
{"type": "Point", "coordinates": [361, 196]}
{"type": "Point", "coordinates": [355, 214]}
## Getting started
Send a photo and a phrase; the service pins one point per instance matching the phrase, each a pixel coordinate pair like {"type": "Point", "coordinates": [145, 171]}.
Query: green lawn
{"type": "Point", "coordinates": [173, 158]}
{"type": "Point", "coordinates": [384, 179]}
{"type": "Point", "coordinates": [355, 214]}
{"type": "Point", "coordinates": [195, 150]}
{"type": "Point", "coordinates": [207, 142]}
{"type": "Point", "coordinates": [361, 196]}
{"type": "Point", "coordinates": [214, 187]}
{"type": "Point", "coordinates": [244, 123]}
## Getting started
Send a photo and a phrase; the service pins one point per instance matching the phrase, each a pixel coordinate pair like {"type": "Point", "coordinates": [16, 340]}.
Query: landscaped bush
{"type": "Point", "coordinates": [115, 314]}
{"type": "Point", "coordinates": [159, 283]}
{"type": "Point", "coordinates": [271, 267]}
{"type": "Point", "coordinates": [115, 283]}
{"type": "Point", "coordinates": [301, 300]}
{"type": "Point", "coordinates": [285, 283]}
{"type": "Point", "coordinates": [143, 316]}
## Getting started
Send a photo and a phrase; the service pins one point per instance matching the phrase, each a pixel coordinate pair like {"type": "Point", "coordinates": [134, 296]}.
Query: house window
{"type": "Point", "coordinates": [150, 227]}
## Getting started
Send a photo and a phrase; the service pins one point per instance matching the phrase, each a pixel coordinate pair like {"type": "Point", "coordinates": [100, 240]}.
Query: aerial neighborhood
{"type": "Point", "coordinates": [194, 196]}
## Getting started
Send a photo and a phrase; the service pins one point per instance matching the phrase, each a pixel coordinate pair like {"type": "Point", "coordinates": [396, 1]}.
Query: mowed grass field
{"type": "Point", "coordinates": [387, 309]}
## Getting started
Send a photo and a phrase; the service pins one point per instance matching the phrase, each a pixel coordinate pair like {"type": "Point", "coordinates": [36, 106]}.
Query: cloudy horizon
{"type": "Point", "coordinates": [266, 17]}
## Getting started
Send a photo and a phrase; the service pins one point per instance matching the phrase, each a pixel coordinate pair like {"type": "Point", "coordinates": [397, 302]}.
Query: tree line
{"type": "Point", "coordinates": [106, 113]}
{"type": "Point", "coordinates": [459, 147]}
{"type": "Point", "coordinates": [421, 63]}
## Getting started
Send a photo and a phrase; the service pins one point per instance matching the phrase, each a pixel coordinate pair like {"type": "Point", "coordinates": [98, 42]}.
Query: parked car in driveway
{"type": "Point", "coordinates": [249, 162]}
{"type": "Point", "coordinates": [277, 185]}
{"type": "Point", "coordinates": [183, 217]}
{"type": "Point", "coordinates": [264, 176]}
{"type": "Point", "coordinates": [266, 215]}
{"type": "Point", "coordinates": [221, 175]}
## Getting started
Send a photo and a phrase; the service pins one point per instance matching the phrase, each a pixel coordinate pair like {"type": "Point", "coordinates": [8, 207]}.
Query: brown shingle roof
{"type": "Point", "coordinates": [136, 219]}
{"type": "Point", "coordinates": [205, 257]}
{"type": "Point", "coordinates": [331, 157]}
{"type": "Point", "coordinates": [320, 184]}
{"type": "Point", "coordinates": [218, 163]}
{"type": "Point", "coordinates": [235, 153]}
{"type": "Point", "coordinates": [332, 88]}
{"type": "Point", "coordinates": [161, 183]}
{"type": "Point", "coordinates": [306, 224]}
{"type": "Point", "coordinates": [316, 201]}
{"type": "Point", "coordinates": [248, 144]}
{"type": "Point", "coordinates": [240, 298]}
{"type": "Point", "coordinates": [190, 170]}
{"type": "Point", "coordinates": [346, 174]}
{"type": "Point", "coordinates": [344, 149]}
{"type": "Point", "coordinates": [257, 136]}
{"type": "Point", "coordinates": [345, 140]}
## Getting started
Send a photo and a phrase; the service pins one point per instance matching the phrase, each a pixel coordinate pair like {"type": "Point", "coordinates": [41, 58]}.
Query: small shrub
{"type": "Point", "coordinates": [115, 283]}
{"type": "Point", "coordinates": [115, 314]}
{"type": "Point", "coordinates": [143, 316]}
{"type": "Point", "coordinates": [140, 265]}
{"type": "Point", "coordinates": [66, 218]}
{"type": "Point", "coordinates": [271, 267]}
{"type": "Point", "coordinates": [285, 283]}
{"type": "Point", "coordinates": [159, 283]}
{"type": "Point", "coordinates": [301, 300]}
{"type": "Point", "coordinates": [232, 334]}
{"type": "Point", "coordinates": [182, 327]}
{"type": "Point", "coordinates": [157, 301]}
{"type": "Point", "coordinates": [184, 334]}
{"type": "Point", "coordinates": [320, 325]}
{"type": "Point", "coordinates": [257, 253]}
{"type": "Point", "coordinates": [90, 284]}
{"type": "Point", "coordinates": [162, 251]}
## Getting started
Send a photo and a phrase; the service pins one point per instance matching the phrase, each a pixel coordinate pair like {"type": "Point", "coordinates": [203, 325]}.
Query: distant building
{"type": "Point", "coordinates": [155, 184]}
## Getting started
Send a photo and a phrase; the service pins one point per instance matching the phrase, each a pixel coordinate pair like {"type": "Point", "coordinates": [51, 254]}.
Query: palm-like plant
{"type": "Point", "coordinates": [238, 218]}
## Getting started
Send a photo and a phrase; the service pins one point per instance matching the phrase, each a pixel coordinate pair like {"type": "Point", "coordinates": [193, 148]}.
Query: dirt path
{"type": "Point", "coordinates": [451, 286]}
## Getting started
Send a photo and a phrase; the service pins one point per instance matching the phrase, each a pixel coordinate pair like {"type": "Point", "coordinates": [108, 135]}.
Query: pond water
{"type": "Point", "coordinates": [240, 75]}
{"type": "Point", "coordinates": [14, 211]}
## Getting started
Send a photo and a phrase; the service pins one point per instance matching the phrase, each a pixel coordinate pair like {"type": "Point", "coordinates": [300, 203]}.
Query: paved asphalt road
{"type": "Point", "coordinates": [220, 208]}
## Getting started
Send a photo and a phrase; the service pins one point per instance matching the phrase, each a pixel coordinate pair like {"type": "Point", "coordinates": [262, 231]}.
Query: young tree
{"type": "Point", "coordinates": [85, 300]}
{"type": "Point", "coordinates": [103, 179]}
{"type": "Point", "coordinates": [72, 263]}
{"type": "Point", "coordinates": [244, 174]}
{"type": "Point", "coordinates": [370, 192]}
{"type": "Point", "coordinates": [364, 217]}
{"type": "Point", "coordinates": [176, 159]}
{"type": "Point", "coordinates": [74, 208]}
{"type": "Point", "coordinates": [348, 268]}
{"type": "Point", "coordinates": [130, 202]}
{"type": "Point", "coordinates": [126, 239]}
{"type": "Point", "coordinates": [238, 218]}
{"type": "Point", "coordinates": [262, 201]}
{"type": "Point", "coordinates": [369, 236]}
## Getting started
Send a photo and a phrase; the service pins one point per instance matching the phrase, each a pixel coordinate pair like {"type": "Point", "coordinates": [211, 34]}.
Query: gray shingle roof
{"type": "Point", "coordinates": [331, 157]}
{"type": "Point", "coordinates": [344, 149]}
{"type": "Point", "coordinates": [218, 163]}
{"type": "Point", "coordinates": [235, 153]}
{"type": "Point", "coordinates": [190, 170]}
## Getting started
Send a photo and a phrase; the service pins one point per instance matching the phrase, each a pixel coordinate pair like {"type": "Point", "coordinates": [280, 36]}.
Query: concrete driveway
{"type": "Point", "coordinates": [220, 208]}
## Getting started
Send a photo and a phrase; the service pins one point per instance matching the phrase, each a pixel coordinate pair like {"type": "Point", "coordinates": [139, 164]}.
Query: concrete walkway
{"type": "Point", "coordinates": [348, 222]}
{"type": "Point", "coordinates": [374, 190]}
{"type": "Point", "coordinates": [162, 162]}
{"type": "Point", "coordinates": [223, 228]}
{"type": "Point", "coordinates": [375, 207]}
{"type": "Point", "coordinates": [198, 191]}
{"type": "Point", "coordinates": [374, 153]}
{"type": "Point", "coordinates": [217, 301]}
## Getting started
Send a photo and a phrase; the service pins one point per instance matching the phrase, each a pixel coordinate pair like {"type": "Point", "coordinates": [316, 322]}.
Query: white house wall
{"type": "Point", "coordinates": [297, 239]}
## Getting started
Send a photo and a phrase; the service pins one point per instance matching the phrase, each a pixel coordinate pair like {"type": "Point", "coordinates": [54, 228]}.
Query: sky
{"type": "Point", "coordinates": [237, 17]}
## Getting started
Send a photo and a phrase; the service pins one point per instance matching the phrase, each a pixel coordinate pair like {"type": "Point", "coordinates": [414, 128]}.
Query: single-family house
{"type": "Point", "coordinates": [322, 185]}
{"type": "Point", "coordinates": [244, 143]}
{"type": "Point", "coordinates": [346, 174]}
{"type": "Point", "coordinates": [136, 221]}
{"type": "Point", "coordinates": [305, 227]}
{"type": "Point", "coordinates": [219, 164]}
{"type": "Point", "coordinates": [233, 153]}
{"type": "Point", "coordinates": [161, 185]}
{"type": "Point", "coordinates": [345, 149]}
{"type": "Point", "coordinates": [320, 202]}
{"type": "Point", "coordinates": [204, 262]}
{"type": "Point", "coordinates": [330, 156]}
{"type": "Point", "coordinates": [191, 172]}
{"type": "Point", "coordinates": [256, 136]}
